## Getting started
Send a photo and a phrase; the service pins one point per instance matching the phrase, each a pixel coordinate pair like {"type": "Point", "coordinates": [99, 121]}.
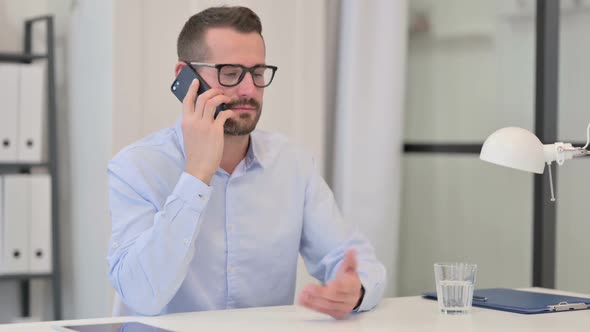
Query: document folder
{"type": "Point", "coordinates": [40, 234]}
{"type": "Point", "coordinates": [15, 230]}
{"type": "Point", "coordinates": [32, 138]}
{"type": "Point", "coordinates": [523, 302]}
{"type": "Point", "coordinates": [9, 110]}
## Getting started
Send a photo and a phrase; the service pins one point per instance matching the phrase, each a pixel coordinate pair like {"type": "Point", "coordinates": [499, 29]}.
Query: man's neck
{"type": "Point", "coordinates": [234, 150]}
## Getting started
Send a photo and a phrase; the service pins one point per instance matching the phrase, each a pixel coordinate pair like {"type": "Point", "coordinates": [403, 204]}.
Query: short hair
{"type": "Point", "coordinates": [191, 45]}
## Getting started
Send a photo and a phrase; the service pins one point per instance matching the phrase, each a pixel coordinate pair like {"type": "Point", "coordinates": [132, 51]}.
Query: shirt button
{"type": "Point", "coordinates": [230, 228]}
{"type": "Point", "coordinates": [230, 269]}
{"type": "Point", "coordinates": [115, 245]}
{"type": "Point", "coordinates": [186, 242]}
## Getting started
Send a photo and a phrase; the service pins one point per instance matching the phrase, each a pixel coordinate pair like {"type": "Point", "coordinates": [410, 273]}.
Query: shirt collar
{"type": "Point", "coordinates": [257, 153]}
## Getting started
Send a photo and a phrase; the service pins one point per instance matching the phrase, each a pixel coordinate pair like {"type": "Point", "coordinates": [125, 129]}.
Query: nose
{"type": "Point", "coordinates": [246, 86]}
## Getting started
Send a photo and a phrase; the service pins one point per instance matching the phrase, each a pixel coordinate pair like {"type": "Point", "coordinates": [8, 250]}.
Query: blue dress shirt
{"type": "Point", "coordinates": [180, 245]}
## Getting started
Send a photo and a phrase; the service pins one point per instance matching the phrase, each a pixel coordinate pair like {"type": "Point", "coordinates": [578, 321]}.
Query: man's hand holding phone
{"type": "Point", "coordinates": [202, 133]}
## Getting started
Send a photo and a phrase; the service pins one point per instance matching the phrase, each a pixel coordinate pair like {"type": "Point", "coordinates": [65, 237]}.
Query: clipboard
{"type": "Point", "coordinates": [523, 302]}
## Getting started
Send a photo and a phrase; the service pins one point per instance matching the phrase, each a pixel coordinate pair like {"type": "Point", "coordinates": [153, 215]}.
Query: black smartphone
{"type": "Point", "coordinates": [183, 81]}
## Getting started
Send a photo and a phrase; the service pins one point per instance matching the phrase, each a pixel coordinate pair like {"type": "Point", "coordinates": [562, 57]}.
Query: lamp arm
{"type": "Point", "coordinates": [560, 152]}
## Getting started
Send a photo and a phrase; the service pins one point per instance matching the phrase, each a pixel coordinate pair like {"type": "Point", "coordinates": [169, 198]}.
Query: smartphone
{"type": "Point", "coordinates": [183, 81]}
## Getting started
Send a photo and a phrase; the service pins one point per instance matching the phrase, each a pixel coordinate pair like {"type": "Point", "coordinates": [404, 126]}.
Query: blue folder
{"type": "Point", "coordinates": [523, 302]}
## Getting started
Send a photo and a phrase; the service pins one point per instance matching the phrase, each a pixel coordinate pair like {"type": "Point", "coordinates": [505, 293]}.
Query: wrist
{"type": "Point", "coordinates": [205, 177]}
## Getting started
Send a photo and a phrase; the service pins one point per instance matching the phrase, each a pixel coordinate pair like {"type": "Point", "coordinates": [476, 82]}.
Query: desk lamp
{"type": "Point", "coordinates": [520, 149]}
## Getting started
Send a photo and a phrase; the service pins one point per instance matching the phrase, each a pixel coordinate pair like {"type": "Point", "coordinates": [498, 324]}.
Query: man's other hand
{"type": "Point", "coordinates": [339, 296]}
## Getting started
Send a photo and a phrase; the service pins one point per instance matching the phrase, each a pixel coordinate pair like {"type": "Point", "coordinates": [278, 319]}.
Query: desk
{"type": "Point", "coordinates": [392, 314]}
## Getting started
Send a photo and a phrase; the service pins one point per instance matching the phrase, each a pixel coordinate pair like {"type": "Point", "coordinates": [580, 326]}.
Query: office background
{"type": "Point", "coordinates": [357, 80]}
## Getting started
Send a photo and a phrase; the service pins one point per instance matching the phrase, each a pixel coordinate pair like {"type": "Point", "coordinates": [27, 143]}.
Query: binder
{"type": "Point", "coordinates": [2, 209]}
{"type": "Point", "coordinates": [40, 235]}
{"type": "Point", "coordinates": [31, 136]}
{"type": "Point", "coordinates": [524, 302]}
{"type": "Point", "coordinates": [9, 110]}
{"type": "Point", "coordinates": [15, 232]}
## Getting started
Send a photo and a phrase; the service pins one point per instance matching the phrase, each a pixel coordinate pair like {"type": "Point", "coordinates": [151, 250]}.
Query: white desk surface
{"type": "Point", "coordinates": [392, 314]}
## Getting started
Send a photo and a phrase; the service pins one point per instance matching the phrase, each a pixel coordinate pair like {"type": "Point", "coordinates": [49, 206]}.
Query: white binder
{"type": "Point", "coordinates": [40, 235]}
{"type": "Point", "coordinates": [9, 110]}
{"type": "Point", "coordinates": [15, 233]}
{"type": "Point", "coordinates": [1, 224]}
{"type": "Point", "coordinates": [31, 133]}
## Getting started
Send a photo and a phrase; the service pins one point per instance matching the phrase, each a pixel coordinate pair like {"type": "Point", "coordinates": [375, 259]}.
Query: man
{"type": "Point", "coordinates": [212, 214]}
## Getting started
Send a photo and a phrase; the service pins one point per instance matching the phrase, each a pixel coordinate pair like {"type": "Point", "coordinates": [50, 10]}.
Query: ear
{"type": "Point", "coordinates": [178, 67]}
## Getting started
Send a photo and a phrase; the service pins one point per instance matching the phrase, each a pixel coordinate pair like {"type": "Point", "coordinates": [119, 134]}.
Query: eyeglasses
{"type": "Point", "coordinates": [230, 75]}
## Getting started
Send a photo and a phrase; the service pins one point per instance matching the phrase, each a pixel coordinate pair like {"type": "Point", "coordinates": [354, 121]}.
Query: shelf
{"type": "Point", "coordinates": [22, 165]}
{"type": "Point", "coordinates": [28, 55]}
{"type": "Point", "coordinates": [21, 58]}
{"type": "Point", "coordinates": [25, 276]}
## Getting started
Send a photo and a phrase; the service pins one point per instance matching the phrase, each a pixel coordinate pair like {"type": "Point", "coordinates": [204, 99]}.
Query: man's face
{"type": "Point", "coordinates": [227, 46]}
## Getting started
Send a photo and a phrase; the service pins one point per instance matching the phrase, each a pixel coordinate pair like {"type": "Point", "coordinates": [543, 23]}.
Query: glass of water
{"type": "Point", "coordinates": [454, 287]}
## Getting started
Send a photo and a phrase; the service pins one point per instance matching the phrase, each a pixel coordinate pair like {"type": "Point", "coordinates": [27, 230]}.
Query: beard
{"type": "Point", "coordinates": [246, 123]}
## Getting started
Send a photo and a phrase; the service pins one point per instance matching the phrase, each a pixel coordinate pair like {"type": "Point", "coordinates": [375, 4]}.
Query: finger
{"type": "Point", "coordinates": [211, 105]}
{"type": "Point", "coordinates": [349, 283]}
{"type": "Point", "coordinates": [202, 100]}
{"type": "Point", "coordinates": [312, 291]}
{"type": "Point", "coordinates": [319, 303]}
{"type": "Point", "coordinates": [223, 116]}
{"type": "Point", "coordinates": [349, 262]}
{"type": "Point", "coordinates": [188, 103]}
{"type": "Point", "coordinates": [338, 310]}
{"type": "Point", "coordinates": [348, 289]}
{"type": "Point", "coordinates": [333, 313]}
{"type": "Point", "coordinates": [334, 287]}
{"type": "Point", "coordinates": [335, 292]}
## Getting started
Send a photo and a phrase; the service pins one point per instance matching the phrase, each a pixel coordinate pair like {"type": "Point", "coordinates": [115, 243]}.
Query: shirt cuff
{"type": "Point", "coordinates": [192, 191]}
{"type": "Point", "coordinates": [371, 297]}
{"type": "Point", "coordinates": [360, 301]}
